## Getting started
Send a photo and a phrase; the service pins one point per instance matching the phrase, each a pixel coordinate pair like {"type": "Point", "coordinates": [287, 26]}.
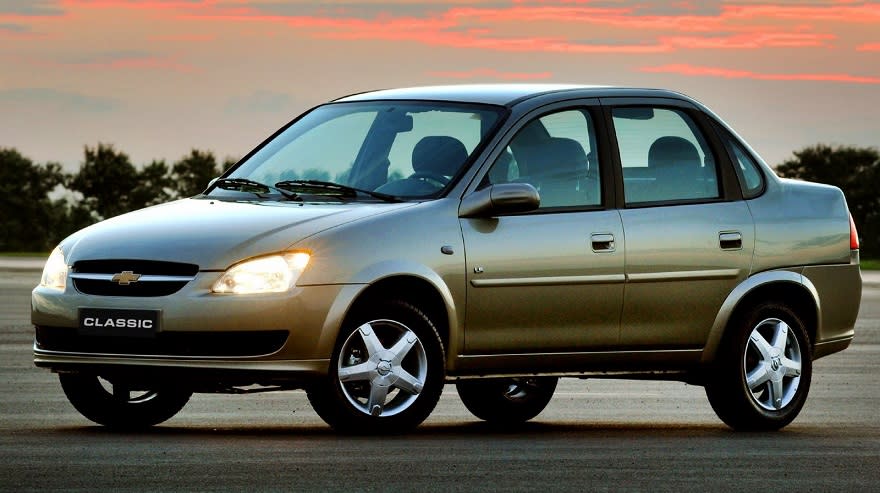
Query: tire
{"type": "Point", "coordinates": [507, 401]}
{"type": "Point", "coordinates": [115, 405]}
{"type": "Point", "coordinates": [386, 373]}
{"type": "Point", "coordinates": [763, 370]}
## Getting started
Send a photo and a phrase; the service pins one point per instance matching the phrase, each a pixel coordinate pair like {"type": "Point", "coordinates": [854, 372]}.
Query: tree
{"type": "Point", "coordinates": [111, 185]}
{"type": "Point", "coordinates": [107, 180]}
{"type": "Point", "coordinates": [154, 185]}
{"type": "Point", "coordinates": [25, 207]}
{"type": "Point", "coordinates": [855, 170]}
{"type": "Point", "coordinates": [66, 217]}
{"type": "Point", "coordinates": [190, 175]}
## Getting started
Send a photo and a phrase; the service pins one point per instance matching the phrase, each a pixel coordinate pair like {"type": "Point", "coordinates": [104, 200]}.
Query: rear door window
{"type": "Point", "coordinates": [664, 156]}
{"type": "Point", "coordinates": [751, 178]}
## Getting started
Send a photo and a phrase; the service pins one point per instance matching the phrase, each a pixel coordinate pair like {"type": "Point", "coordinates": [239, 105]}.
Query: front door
{"type": "Point", "coordinates": [549, 281]}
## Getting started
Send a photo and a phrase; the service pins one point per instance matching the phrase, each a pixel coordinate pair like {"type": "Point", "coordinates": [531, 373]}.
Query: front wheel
{"type": "Point", "coordinates": [764, 370]}
{"type": "Point", "coordinates": [507, 400]}
{"type": "Point", "coordinates": [117, 404]}
{"type": "Point", "coordinates": [386, 374]}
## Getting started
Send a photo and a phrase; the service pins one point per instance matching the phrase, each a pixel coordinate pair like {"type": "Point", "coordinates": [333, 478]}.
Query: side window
{"type": "Point", "coordinates": [556, 154]}
{"type": "Point", "coordinates": [664, 156]}
{"type": "Point", "coordinates": [751, 179]}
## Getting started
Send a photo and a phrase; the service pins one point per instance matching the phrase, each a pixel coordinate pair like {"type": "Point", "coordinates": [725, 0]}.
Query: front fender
{"type": "Point", "coordinates": [375, 273]}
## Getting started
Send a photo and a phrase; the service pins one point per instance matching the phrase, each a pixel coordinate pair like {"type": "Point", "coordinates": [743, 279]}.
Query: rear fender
{"type": "Point", "coordinates": [742, 291]}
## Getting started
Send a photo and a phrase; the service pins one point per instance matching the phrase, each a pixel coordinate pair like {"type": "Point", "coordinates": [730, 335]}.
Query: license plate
{"type": "Point", "coordinates": [119, 323]}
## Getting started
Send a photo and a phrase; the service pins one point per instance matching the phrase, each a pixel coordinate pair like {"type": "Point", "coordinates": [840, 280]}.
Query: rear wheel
{"type": "Point", "coordinates": [507, 400]}
{"type": "Point", "coordinates": [764, 370]}
{"type": "Point", "coordinates": [118, 404]}
{"type": "Point", "coordinates": [386, 374]}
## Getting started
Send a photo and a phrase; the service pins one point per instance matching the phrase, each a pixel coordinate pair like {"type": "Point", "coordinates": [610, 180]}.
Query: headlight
{"type": "Point", "coordinates": [273, 274]}
{"type": "Point", "coordinates": [55, 271]}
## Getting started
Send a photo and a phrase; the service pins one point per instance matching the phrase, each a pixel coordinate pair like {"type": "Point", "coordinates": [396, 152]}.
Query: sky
{"type": "Point", "coordinates": [157, 78]}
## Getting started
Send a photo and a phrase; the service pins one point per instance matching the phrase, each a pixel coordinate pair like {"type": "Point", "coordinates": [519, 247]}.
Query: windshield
{"type": "Point", "coordinates": [396, 148]}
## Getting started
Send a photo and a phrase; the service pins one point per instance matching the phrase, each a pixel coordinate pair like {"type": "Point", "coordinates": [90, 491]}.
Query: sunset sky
{"type": "Point", "coordinates": [159, 77]}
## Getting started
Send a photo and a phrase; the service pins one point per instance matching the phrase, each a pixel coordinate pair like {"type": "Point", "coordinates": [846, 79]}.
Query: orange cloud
{"type": "Point", "coordinates": [693, 70]}
{"type": "Point", "coordinates": [612, 30]}
{"type": "Point", "coordinates": [488, 73]}
{"type": "Point", "coordinates": [869, 47]}
{"type": "Point", "coordinates": [470, 40]}
{"type": "Point", "coordinates": [138, 4]}
{"type": "Point", "coordinates": [856, 14]}
{"type": "Point", "coordinates": [434, 31]}
{"type": "Point", "coordinates": [477, 27]}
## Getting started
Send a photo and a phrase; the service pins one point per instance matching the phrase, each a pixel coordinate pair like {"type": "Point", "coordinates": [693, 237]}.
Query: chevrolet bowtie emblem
{"type": "Point", "coordinates": [125, 277]}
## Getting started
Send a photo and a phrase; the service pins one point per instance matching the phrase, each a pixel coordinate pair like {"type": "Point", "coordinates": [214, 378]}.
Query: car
{"type": "Point", "coordinates": [494, 237]}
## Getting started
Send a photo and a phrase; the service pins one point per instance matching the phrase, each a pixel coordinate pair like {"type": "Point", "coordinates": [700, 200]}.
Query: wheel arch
{"type": "Point", "coordinates": [788, 287]}
{"type": "Point", "coordinates": [417, 290]}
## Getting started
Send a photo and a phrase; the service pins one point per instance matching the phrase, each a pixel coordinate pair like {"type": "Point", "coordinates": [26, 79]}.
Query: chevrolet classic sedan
{"type": "Point", "coordinates": [498, 237]}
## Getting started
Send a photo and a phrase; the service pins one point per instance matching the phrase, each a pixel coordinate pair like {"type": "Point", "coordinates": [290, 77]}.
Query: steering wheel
{"type": "Point", "coordinates": [432, 177]}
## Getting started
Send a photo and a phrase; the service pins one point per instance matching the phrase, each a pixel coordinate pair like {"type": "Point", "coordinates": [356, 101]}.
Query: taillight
{"type": "Point", "coordinates": [853, 235]}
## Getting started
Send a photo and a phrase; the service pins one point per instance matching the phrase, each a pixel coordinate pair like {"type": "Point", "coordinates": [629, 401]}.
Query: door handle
{"type": "Point", "coordinates": [730, 240]}
{"type": "Point", "coordinates": [602, 242]}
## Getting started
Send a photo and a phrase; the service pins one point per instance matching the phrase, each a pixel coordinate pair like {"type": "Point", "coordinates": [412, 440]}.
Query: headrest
{"type": "Point", "coordinates": [439, 154]}
{"type": "Point", "coordinates": [558, 156]}
{"type": "Point", "coordinates": [673, 151]}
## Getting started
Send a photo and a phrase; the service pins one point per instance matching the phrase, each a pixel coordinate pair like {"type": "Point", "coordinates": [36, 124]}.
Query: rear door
{"type": "Point", "coordinates": [689, 234]}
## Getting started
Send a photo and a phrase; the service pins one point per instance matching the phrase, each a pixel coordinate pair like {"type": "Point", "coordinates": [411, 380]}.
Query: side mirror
{"type": "Point", "coordinates": [500, 199]}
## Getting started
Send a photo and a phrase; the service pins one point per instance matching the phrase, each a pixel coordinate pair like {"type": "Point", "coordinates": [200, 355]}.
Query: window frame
{"type": "Point", "coordinates": [591, 107]}
{"type": "Point", "coordinates": [729, 139]}
{"type": "Point", "coordinates": [728, 183]}
{"type": "Point", "coordinates": [502, 115]}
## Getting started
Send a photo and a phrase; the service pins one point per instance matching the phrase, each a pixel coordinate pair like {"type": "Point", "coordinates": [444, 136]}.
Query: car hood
{"type": "Point", "coordinates": [212, 234]}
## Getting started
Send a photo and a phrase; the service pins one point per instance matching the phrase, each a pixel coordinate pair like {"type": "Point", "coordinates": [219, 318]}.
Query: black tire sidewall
{"type": "Point", "coordinates": [330, 402]}
{"type": "Point", "coordinates": [88, 396]}
{"type": "Point", "coordinates": [485, 399]}
{"type": "Point", "coordinates": [728, 391]}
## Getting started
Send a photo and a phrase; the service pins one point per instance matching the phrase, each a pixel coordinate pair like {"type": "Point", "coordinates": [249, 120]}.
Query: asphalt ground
{"type": "Point", "coordinates": [595, 435]}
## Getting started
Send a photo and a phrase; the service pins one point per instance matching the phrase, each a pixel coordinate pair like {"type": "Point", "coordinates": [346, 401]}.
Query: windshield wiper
{"type": "Point", "coordinates": [325, 186]}
{"type": "Point", "coordinates": [252, 186]}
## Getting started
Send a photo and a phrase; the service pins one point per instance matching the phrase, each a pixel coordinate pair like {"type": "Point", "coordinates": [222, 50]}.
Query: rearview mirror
{"type": "Point", "coordinates": [634, 113]}
{"type": "Point", "coordinates": [500, 199]}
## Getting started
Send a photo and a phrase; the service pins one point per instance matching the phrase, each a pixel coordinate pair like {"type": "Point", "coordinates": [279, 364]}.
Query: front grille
{"type": "Point", "coordinates": [154, 278]}
{"type": "Point", "coordinates": [139, 289]}
{"type": "Point", "coordinates": [236, 343]}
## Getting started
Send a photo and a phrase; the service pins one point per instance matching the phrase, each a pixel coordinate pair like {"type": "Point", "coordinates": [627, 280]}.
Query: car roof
{"type": "Point", "coordinates": [503, 94]}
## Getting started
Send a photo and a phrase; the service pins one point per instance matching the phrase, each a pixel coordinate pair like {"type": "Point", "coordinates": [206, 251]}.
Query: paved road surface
{"type": "Point", "coordinates": [594, 436]}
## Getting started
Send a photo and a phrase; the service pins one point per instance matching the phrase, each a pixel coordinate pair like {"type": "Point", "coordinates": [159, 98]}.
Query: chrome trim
{"type": "Point", "coordinates": [49, 357]}
{"type": "Point", "coordinates": [692, 275]}
{"type": "Point", "coordinates": [597, 374]}
{"type": "Point", "coordinates": [551, 355]}
{"type": "Point", "coordinates": [120, 356]}
{"type": "Point", "coordinates": [55, 360]}
{"type": "Point", "coordinates": [549, 281]}
{"type": "Point", "coordinates": [142, 278]}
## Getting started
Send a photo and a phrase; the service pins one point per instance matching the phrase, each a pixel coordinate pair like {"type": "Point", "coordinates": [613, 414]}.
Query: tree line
{"type": "Point", "coordinates": [40, 204]}
{"type": "Point", "coordinates": [108, 184]}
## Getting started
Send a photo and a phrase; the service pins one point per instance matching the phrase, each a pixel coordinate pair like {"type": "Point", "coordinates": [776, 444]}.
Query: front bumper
{"type": "Point", "coordinates": [310, 317]}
